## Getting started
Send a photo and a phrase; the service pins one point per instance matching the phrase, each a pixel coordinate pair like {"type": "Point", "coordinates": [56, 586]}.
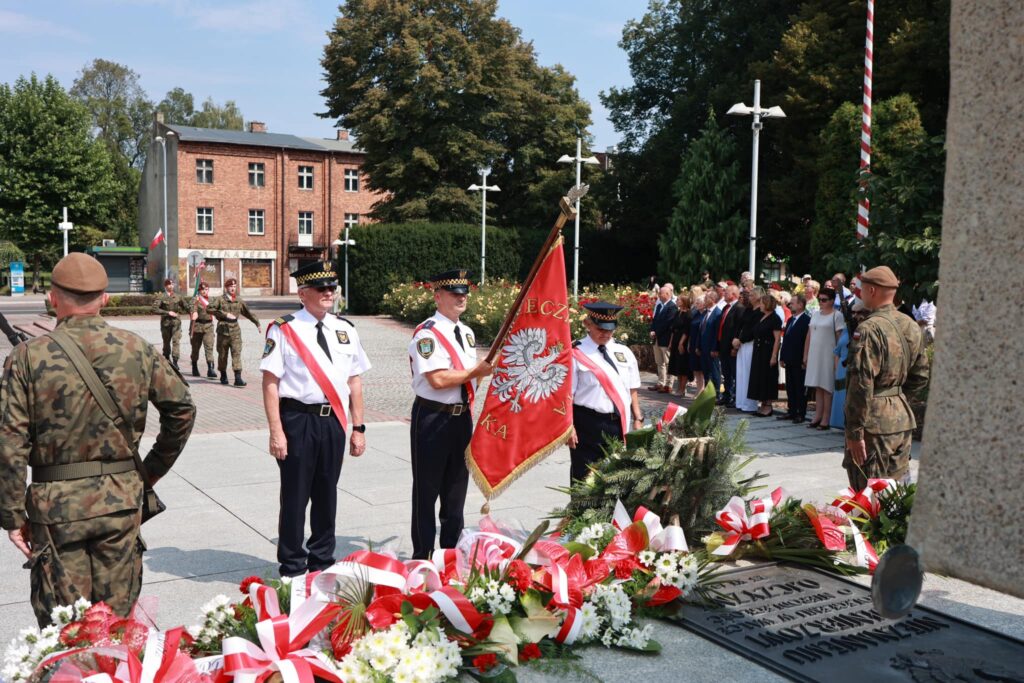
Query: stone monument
{"type": "Point", "coordinates": [967, 515]}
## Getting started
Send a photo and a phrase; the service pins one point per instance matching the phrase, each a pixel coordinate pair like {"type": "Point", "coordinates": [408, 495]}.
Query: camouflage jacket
{"type": "Point", "coordinates": [886, 361]}
{"type": "Point", "coordinates": [203, 315]}
{"type": "Point", "coordinates": [164, 303]}
{"type": "Point", "coordinates": [48, 417]}
{"type": "Point", "coordinates": [223, 305]}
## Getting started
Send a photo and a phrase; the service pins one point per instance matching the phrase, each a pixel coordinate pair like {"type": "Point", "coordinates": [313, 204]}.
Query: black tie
{"type": "Point", "coordinates": [604, 352]}
{"type": "Point", "coordinates": [465, 391]}
{"type": "Point", "coordinates": [322, 340]}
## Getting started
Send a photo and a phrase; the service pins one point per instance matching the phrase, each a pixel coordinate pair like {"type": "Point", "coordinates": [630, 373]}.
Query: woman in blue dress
{"type": "Point", "coordinates": [698, 312]}
{"type": "Point", "coordinates": [838, 420]}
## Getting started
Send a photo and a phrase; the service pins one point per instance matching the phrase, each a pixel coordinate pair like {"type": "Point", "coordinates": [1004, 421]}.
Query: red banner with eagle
{"type": "Point", "coordinates": [528, 410]}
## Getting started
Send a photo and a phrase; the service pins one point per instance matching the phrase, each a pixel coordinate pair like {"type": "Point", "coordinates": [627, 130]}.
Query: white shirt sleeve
{"type": "Point", "coordinates": [273, 355]}
{"type": "Point", "coordinates": [427, 354]}
{"type": "Point", "coordinates": [360, 363]}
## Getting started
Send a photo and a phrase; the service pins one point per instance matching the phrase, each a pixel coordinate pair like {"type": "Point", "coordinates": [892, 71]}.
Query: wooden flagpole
{"type": "Point", "coordinates": [566, 211]}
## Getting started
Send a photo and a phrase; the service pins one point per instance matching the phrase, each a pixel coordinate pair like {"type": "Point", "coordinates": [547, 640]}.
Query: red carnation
{"type": "Point", "coordinates": [248, 581]}
{"type": "Point", "coordinates": [521, 575]}
{"type": "Point", "coordinates": [624, 568]}
{"type": "Point", "coordinates": [485, 662]}
{"type": "Point", "coordinates": [530, 651]}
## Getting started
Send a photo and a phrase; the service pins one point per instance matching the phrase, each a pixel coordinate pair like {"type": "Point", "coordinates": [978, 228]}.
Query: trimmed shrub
{"type": "Point", "coordinates": [389, 254]}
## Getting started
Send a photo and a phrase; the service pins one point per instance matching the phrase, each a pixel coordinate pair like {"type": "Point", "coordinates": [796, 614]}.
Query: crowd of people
{"type": "Point", "coordinates": [748, 341]}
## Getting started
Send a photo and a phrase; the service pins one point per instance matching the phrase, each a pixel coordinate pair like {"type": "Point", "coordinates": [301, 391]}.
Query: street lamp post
{"type": "Point", "coordinates": [758, 113]}
{"type": "Point", "coordinates": [482, 188]}
{"type": "Point", "coordinates": [579, 160]}
{"type": "Point", "coordinates": [167, 240]}
{"type": "Point", "coordinates": [345, 243]}
{"type": "Point", "coordinates": [64, 226]}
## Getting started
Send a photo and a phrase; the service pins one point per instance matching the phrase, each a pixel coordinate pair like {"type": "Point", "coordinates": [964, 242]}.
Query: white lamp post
{"type": "Point", "coordinates": [167, 239]}
{"type": "Point", "coordinates": [345, 243]}
{"type": "Point", "coordinates": [64, 226]}
{"type": "Point", "coordinates": [579, 160]}
{"type": "Point", "coordinates": [482, 188]}
{"type": "Point", "coordinates": [758, 113]}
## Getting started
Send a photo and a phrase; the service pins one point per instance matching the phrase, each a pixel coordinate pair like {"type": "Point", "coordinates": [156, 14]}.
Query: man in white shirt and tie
{"type": "Point", "coordinates": [313, 396]}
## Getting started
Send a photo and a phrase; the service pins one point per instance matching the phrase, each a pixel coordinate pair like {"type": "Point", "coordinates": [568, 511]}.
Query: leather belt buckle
{"type": "Point", "coordinates": [325, 410]}
{"type": "Point", "coordinates": [457, 409]}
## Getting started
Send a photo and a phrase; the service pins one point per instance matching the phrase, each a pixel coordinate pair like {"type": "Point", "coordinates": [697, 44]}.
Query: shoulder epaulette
{"type": "Point", "coordinates": [344, 319]}
{"type": "Point", "coordinates": [284, 319]}
{"type": "Point", "coordinates": [427, 325]}
{"type": "Point", "coordinates": [577, 343]}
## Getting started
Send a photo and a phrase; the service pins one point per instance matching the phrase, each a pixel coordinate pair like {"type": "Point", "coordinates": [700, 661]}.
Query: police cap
{"type": "Point", "coordinates": [454, 281]}
{"type": "Point", "coordinates": [79, 273]}
{"type": "Point", "coordinates": [316, 274]}
{"type": "Point", "coordinates": [603, 314]}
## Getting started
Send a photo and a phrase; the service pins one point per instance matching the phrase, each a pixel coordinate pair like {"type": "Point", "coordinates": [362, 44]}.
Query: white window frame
{"type": "Point", "coordinates": [257, 174]}
{"type": "Point", "coordinates": [257, 216]}
{"type": "Point", "coordinates": [204, 171]}
{"type": "Point", "coordinates": [306, 219]}
{"type": "Point", "coordinates": [351, 180]}
{"type": "Point", "coordinates": [351, 220]}
{"type": "Point", "coordinates": [204, 216]}
{"type": "Point", "coordinates": [305, 177]}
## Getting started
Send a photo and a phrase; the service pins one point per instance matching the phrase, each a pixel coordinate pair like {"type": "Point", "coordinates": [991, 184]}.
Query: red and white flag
{"type": "Point", "coordinates": [672, 412]}
{"type": "Point", "coordinates": [528, 410]}
{"type": "Point", "coordinates": [157, 240]}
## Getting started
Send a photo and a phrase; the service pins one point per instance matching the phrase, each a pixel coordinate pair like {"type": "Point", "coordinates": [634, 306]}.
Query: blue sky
{"type": "Point", "coordinates": [264, 54]}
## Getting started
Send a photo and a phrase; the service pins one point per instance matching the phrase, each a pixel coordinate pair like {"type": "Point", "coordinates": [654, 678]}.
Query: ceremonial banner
{"type": "Point", "coordinates": [528, 409]}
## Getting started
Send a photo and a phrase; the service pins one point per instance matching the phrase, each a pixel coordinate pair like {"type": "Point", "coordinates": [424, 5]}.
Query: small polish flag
{"type": "Point", "coordinates": [157, 240]}
{"type": "Point", "coordinates": [672, 411]}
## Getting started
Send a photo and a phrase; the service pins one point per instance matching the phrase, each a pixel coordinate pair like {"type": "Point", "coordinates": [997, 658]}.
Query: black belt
{"type": "Point", "coordinates": [293, 406]}
{"type": "Point", "coordinates": [80, 470]}
{"type": "Point", "coordinates": [606, 416]}
{"type": "Point", "coordinates": [454, 409]}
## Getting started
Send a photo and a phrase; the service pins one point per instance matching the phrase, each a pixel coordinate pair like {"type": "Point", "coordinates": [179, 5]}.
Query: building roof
{"type": "Point", "coordinates": [242, 137]}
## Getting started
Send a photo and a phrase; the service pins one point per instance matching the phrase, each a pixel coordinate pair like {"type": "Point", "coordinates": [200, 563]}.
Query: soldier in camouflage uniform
{"type": "Point", "coordinates": [78, 521]}
{"type": "Point", "coordinates": [168, 305]}
{"type": "Point", "coordinates": [886, 361]}
{"type": "Point", "coordinates": [201, 331]}
{"type": "Point", "coordinates": [226, 310]}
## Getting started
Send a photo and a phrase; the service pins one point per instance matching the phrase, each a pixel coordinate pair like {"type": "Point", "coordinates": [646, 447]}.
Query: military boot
{"type": "Point", "coordinates": [223, 376]}
{"type": "Point", "coordinates": [174, 362]}
{"type": "Point", "coordinates": [210, 372]}
{"type": "Point", "coordinates": [195, 368]}
{"type": "Point", "coordinates": [239, 382]}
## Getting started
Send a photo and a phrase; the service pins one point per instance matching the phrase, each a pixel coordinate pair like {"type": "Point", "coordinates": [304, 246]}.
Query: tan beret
{"type": "Point", "coordinates": [79, 273]}
{"type": "Point", "coordinates": [880, 276]}
{"type": "Point", "coordinates": [230, 281]}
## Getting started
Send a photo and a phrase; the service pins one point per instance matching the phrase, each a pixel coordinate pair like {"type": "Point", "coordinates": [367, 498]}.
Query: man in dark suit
{"type": "Point", "coordinates": [791, 357]}
{"type": "Point", "coordinates": [728, 327]}
{"type": "Point", "coordinates": [661, 335]}
{"type": "Point", "coordinates": [709, 341]}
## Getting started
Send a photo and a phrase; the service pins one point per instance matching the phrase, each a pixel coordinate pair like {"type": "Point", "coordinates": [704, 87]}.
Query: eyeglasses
{"type": "Point", "coordinates": [824, 298]}
{"type": "Point", "coordinates": [326, 288]}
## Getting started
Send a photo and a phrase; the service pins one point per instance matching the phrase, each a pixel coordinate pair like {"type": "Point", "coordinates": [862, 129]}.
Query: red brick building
{"type": "Point", "coordinates": [255, 204]}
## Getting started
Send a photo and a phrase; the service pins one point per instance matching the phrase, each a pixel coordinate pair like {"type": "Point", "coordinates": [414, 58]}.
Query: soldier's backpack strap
{"type": "Point", "coordinates": [102, 396]}
{"type": "Point", "coordinates": [906, 351]}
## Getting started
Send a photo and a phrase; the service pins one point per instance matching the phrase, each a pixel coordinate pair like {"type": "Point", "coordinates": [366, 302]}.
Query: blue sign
{"type": "Point", "coordinates": [17, 278]}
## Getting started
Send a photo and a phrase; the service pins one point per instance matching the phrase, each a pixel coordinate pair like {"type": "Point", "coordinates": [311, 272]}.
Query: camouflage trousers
{"type": "Point", "coordinates": [229, 338]}
{"type": "Point", "coordinates": [202, 335]}
{"type": "Point", "coordinates": [170, 331]}
{"type": "Point", "coordinates": [888, 458]}
{"type": "Point", "coordinates": [97, 559]}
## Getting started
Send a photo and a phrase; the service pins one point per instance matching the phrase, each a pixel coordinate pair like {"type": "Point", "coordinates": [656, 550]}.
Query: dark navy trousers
{"type": "Point", "coordinates": [309, 476]}
{"type": "Point", "coordinates": [796, 392]}
{"type": "Point", "coordinates": [592, 430]}
{"type": "Point", "coordinates": [439, 442]}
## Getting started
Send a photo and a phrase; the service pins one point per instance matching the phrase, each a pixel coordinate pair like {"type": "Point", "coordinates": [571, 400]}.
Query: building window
{"type": "Point", "coordinates": [351, 220]}
{"type": "Point", "coordinates": [306, 223]}
{"type": "Point", "coordinates": [256, 224]}
{"type": "Point", "coordinates": [204, 171]}
{"type": "Point", "coordinates": [305, 177]}
{"type": "Point", "coordinates": [256, 175]}
{"type": "Point", "coordinates": [351, 180]}
{"type": "Point", "coordinates": [204, 221]}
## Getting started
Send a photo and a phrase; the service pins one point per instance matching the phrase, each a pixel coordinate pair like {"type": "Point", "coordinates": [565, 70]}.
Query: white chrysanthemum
{"type": "Point", "coordinates": [62, 614]}
{"type": "Point", "coordinates": [80, 605]}
{"type": "Point", "coordinates": [647, 557]}
{"type": "Point", "coordinates": [667, 563]}
{"type": "Point", "coordinates": [590, 622]}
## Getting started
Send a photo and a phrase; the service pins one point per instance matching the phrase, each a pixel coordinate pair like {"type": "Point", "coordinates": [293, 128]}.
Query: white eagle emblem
{"type": "Point", "coordinates": [524, 372]}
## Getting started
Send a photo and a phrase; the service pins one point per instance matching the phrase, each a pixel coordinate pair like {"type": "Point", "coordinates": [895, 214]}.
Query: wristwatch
{"type": "Point", "coordinates": [359, 428]}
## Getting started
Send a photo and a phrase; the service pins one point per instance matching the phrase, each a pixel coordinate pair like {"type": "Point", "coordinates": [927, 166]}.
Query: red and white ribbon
{"type": "Point", "coordinates": [741, 527]}
{"type": "Point", "coordinates": [865, 501]}
{"type": "Point", "coordinates": [662, 539]}
{"type": "Point", "coordinates": [673, 411]}
{"type": "Point", "coordinates": [571, 627]}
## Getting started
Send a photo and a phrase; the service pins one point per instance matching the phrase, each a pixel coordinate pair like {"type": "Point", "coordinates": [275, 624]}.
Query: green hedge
{"type": "Point", "coordinates": [387, 254]}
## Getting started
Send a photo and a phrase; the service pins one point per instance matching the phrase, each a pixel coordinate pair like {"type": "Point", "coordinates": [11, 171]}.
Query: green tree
{"type": "Point", "coordinates": [178, 107]}
{"type": "Point", "coordinates": [121, 112]}
{"type": "Point", "coordinates": [213, 115]}
{"type": "Point", "coordinates": [434, 90]}
{"type": "Point", "coordinates": [49, 159]}
{"type": "Point", "coordinates": [707, 226]}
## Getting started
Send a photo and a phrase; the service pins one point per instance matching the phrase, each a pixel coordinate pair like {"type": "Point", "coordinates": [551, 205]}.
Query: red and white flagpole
{"type": "Point", "coordinates": [864, 204]}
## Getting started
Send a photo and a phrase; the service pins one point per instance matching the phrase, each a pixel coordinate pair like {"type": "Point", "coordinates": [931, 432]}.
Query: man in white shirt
{"type": "Point", "coordinates": [312, 366]}
{"type": "Point", "coordinates": [925, 317]}
{"type": "Point", "coordinates": [605, 381]}
{"type": "Point", "coordinates": [445, 371]}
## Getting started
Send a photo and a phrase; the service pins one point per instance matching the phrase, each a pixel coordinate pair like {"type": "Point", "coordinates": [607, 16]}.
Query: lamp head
{"type": "Point", "coordinates": [591, 161]}
{"type": "Point", "coordinates": [159, 140]}
{"type": "Point", "coordinates": [740, 109]}
{"type": "Point", "coordinates": [775, 113]}
{"type": "Point", "coordinates": [484, 170]}
{"type": "Point", "coordinates": [473, 188]}
{"type": "Point", "coordinates": [565, 159]}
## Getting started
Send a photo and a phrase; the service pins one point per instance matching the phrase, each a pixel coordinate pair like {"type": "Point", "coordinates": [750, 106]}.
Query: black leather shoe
{"type": "Point", "coordinates": [786, 416]}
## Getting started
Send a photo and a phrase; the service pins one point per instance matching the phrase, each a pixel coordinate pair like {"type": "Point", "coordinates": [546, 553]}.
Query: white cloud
{"type": "Point", "coordinates": [24, 25]}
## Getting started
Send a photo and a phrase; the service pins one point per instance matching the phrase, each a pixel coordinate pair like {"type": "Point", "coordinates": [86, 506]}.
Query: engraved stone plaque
{"type": "Point", "coordinates": [808, 625]}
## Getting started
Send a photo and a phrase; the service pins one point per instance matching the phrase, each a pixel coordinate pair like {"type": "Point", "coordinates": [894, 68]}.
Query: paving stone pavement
{"type": "Point", "coordinates": [221, 523]}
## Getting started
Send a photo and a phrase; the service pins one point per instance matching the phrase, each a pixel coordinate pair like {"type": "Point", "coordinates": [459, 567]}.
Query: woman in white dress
{"type": "Point", "coordinates": [826, 325]}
